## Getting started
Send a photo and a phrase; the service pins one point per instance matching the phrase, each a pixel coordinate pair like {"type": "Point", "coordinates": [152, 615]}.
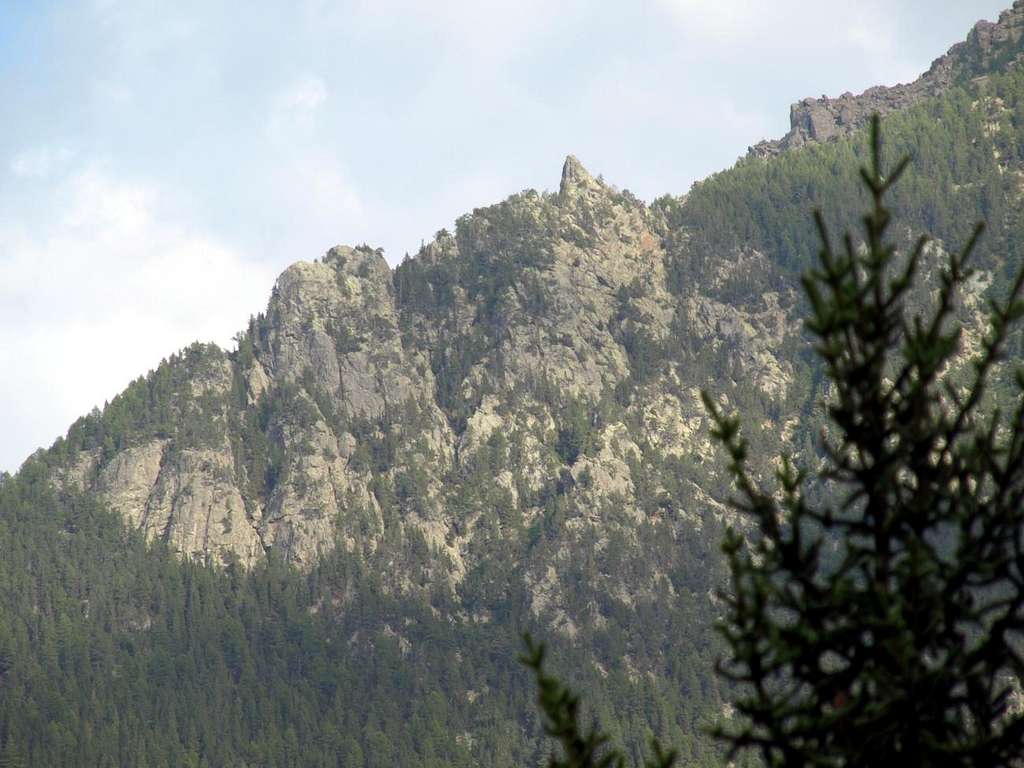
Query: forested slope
{"type": "Point", "coordinates": [115, 653]}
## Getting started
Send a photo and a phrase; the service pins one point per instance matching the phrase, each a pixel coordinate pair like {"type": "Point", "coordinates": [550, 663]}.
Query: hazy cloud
{"type": "Point", "coordinates": [719, 19]}
{"type": "Point", "coordinates": [491, 31]}
{"type": "Point", "coordinates": [308, 93]}
{"type": "Point", "coordinates": [40, 162]}
{"type": "Point", "coordinates": [112, 287]}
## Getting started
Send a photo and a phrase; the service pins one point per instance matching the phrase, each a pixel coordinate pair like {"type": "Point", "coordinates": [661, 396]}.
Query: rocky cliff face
{"type": "Point", "coordinates": [525, 388]}
{"type": "Point", "coordinates": [990, 47]}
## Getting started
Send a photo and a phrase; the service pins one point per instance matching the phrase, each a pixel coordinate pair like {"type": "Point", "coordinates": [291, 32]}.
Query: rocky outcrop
{"type": "Point", "coordinates": [990, 47]}
{"type": "Point", "coordinates": [532, 371]}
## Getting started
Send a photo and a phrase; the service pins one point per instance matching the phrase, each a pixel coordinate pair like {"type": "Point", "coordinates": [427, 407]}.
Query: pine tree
{"type": "Point", "coordinates": [12, 756]}
{"type": "Point", "coordinates": [560, 708]}
{"type": "Point", "coordinates": [883, 626]}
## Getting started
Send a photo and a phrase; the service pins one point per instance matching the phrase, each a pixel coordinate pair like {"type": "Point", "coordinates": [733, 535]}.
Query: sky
{"type": "Point", "coordinates": [161, 163]}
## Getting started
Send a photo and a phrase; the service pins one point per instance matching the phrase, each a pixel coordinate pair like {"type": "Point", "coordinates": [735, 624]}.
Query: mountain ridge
{"type": "Point", "coordinates": [575, 294]}
{"type": "Point", "coordinates": [989, 47]}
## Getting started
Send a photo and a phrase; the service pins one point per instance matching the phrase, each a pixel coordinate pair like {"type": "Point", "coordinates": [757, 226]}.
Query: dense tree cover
{"type": "Point", "coordinates": [966, 146]}
{"type": "Point", "coordinates": [159, 404]}
{"type": "Point", "coordinates": [582, 748]}
{"type": "Point", "coordinates": [114, 652]}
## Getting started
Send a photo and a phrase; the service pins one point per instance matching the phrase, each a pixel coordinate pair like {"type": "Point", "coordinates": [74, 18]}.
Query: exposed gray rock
{"type": "Point", "coordinates": [577, 181]}
{"type": "Point", "coordinates": [333, 428]}
{"type": "Point", "coordinates": [990, 46]}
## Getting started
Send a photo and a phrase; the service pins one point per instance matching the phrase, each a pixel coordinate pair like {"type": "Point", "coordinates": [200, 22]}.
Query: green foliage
{"type": "Point", "coordinates": [576, 435]}
{"type": "Point", "coordinates": [583, 749]}
{"type": "Point", "coordinates": [114, 652]}
{"type": "Point", "coordinates": [961, 143]}
{"type": "Point", "coordinates": [882, 625]}
{"type": "Point", "coordinates": [118, 654]}
{"type": "Point", "coordinates": [160, 405]}
{"type": "Point", "coordinates": [497, 259]}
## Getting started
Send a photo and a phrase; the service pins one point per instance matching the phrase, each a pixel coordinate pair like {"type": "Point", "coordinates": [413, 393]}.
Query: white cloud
{"type": "Point", "coordinates": [490, 32]}
{"type": "Point", "coordinates": [145, 26]}
{"type": "Point", "coordinates": [720, 19]}
{"type": "Point", "coordinates": [293, 111]}
{"type": "Point", "coordinates": [877, 38]}
{"type": "Point", "coordinates": [868, 36]}
{"type": "Point", "coordinates": [113, 287]}
{"type": "Point", "coordinates": [310, 194]}
{"type": "Point", "coordinates": [810, 24]}
{"type": "Point", "coordinates": [40, 162]}
{"type": "Point", "coordinates": [308, 92]}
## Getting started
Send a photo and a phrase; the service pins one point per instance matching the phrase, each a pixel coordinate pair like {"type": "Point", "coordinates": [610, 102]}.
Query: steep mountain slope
{"type": "Point", "coordinates": [343, 525]}
{"type": "Point", "coordinates": [515, 375]}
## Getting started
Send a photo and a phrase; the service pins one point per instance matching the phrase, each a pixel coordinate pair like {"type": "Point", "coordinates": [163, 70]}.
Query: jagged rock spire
{"type": "Point", "coordinates": [576, 179]}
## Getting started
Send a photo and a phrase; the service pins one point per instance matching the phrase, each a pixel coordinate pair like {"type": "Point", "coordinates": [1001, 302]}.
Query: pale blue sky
{"type": "Point", "coordinates": [161, 162]}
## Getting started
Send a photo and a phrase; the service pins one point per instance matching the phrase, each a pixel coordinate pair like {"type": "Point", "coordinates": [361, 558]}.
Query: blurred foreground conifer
{"type": "Point", "coordinates": [882, 627]}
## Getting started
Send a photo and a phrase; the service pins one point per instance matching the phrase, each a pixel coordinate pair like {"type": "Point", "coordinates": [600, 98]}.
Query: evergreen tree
{"type": "Point", "coordinates": [882, 626]}
{"type": "Point", "coordinates": [561, 711]}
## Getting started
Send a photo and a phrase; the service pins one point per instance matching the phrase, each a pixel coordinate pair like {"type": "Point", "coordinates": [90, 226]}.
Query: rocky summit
{"type": "Point", "coordinates": [535, 341]}
{"type": "Point", "coordinates": [990, 46]}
